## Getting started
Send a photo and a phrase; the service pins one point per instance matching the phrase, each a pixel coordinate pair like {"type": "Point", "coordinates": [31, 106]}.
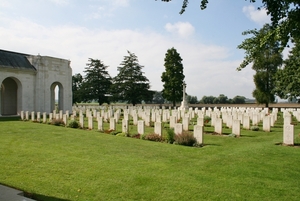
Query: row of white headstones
{"type": "Point", "coordinates": [234, 118]}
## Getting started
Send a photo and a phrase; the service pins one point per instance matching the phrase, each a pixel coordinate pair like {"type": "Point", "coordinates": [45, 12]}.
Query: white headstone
{"type": "Point", "coordinates": [185, 123]}
{"type": "Point", "coordinates": [100, 124]}
{"type": "Point", "coordinates": [288, 134]}
{"type": "Point", "coordinates": [90, 122]}
{"type": "Point", "coordinates": [236, 127]}
{"type": "Point", "coordinates": [125, 125]}
{"type": "Point", "coordinates": [158, 128]}
{"type": "Point", "coordinates": [81, 121]}
{"type": "Point", "coordinates": [178, 129]}
{"type": "Point", "coordinates": [266, 124]}
{"type": "Point", "coordinates": [112, 123]}
{"type": "Point", "coordinates": [218, 126]}
{"type": "Point", "coordinates": [141, 127]}
{"type": "Point", "coordinates": [198, 133]}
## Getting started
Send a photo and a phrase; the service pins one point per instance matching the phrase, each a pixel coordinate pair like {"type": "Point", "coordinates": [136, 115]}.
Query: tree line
{"type": "Point", "coordinates": [263, 51]}
{"type": "Point", "coordinates": [130, 85]}
{"type": "Point", "coordinates": [221, 99]}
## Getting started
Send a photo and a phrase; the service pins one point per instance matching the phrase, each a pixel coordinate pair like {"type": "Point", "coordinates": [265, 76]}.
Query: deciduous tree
{"type": "Point", "coordinates": [285, 17]}
{"type": "Point", "coordinates": [266, 61]}
{"type": "Point", "coordinates": [192, 99]}
{"type": "Point", "coordinates": [173, 76]}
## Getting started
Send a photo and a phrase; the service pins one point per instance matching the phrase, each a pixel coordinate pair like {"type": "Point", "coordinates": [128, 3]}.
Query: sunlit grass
{"type": "Point", "coordinates": [57, 163]}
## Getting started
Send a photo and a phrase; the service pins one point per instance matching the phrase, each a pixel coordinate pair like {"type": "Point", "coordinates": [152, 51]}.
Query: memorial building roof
{"type": "Point", "coordinates": [15, 60]}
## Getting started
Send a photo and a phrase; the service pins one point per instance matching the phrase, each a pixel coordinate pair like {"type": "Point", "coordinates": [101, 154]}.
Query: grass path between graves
{"type": "Point", "coordinates": [57, 163]}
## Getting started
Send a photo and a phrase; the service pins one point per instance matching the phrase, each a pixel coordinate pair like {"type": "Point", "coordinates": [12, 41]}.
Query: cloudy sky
{"type": "Point", "coordinates": [76, 30]}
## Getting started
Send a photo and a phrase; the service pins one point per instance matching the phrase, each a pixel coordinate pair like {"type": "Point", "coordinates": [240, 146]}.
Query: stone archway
{"type": "Point", "coordinates": [10, 96]}
{"type": "Point", "coordinates": [60, 96]}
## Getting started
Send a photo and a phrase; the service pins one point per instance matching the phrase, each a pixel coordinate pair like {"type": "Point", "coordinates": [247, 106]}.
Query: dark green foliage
{"type": "Point", "coordinates": [57, 122]}
{"type": "Point", "coordinates": [207, 99]}
{"type": "Point", "coordinates": [192, 99]}
{"type": "Point", "coordinates": [97, 82]}
{"type": "Point", "coordinates": [238, 100]}
{"type": "Point", "coordinates": [158, 98]}
{"type": "Point", "coordinates": [173, 77]}
{"type": "Point", "coordinates": [266, 61]}
{"type": "Point", "coordinates": [130, 84]}
{"type": "Point", "coordinates": [73, 124]}
{"type": "Point", "coordinates": [170, 136]}
{"type": "Point", "coordinates": [254, 128]}
{"type": "Point", "coordinates": [206, 119]}
{"type": "Point", "coordinates": [78, 94]}
{"type": "Point", "coordinates": [287, 84]}
{"type": "Point", "coordinates": [186, 139]}
{"type": "Point", "coordinates": [221, 99]}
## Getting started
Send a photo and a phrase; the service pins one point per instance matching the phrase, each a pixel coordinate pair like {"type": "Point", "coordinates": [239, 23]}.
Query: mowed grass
{"type": "Point", "coordinates": [57, 163]}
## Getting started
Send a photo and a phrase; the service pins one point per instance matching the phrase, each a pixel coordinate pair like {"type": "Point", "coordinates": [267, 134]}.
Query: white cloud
{"type": "Point", "coordinates": [60, 2]}
{"type": "Point", "coordinates": [120, 3]}
{"type": "Point", "coordinates": [207, 68]}
{"type": "Point", "coordinates": [258, 16]}
{"type": "Point", "coordinates": [105, 8]}
{"type": "Point", "coordinates": [183, 29]}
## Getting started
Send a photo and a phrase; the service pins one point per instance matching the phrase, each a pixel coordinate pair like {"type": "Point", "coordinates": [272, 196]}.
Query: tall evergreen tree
{"type": "Point", "coordinates": [266, 61]}
{"type": "Point", "coordinates": [97, 82]}
{"type": "Point", "coordinates": [173, 77]}
{"type": "Point", "coordinates": [77, 81]}
{"type": "Point", "coordinates": [130, 84]}
{"type": "Point", "coordinates": [288, 78]}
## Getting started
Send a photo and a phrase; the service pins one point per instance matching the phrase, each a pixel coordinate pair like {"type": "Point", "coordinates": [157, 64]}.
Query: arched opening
{"type": "Point", "coordinates": [57, 96]}
{"type": "Point", "coordinates": [10, 96]}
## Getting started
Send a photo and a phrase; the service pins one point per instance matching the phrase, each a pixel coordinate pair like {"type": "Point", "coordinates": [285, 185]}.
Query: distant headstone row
{"type": "Point", "coordinates": [233, 117]}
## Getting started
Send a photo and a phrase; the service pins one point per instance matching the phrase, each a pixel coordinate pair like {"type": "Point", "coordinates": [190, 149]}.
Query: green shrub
{"type": "Point", "coordinates": [115, 132]}
{"type": "Point", "coordinates": [153, 137]}
{"type": "Point", "coordinates": [185, 139]}
{"type": "Point", "coordinates": [73, 124]}
{"type": "Point", "coordinates": [254, 128]}
{"type": "Point", "coordinates": [170, 136]}
{"type": "Point", "coordinates": [57, 122]}
{"type": "Point", "coordinates": [206, 119]}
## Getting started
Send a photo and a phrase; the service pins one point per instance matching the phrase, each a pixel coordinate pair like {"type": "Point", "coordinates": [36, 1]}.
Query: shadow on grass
{"type": "Point", "coordinates": [10, 118]}
{"type": "Point", "coordinates": [39, 197]}
{"type": "Point", "coordinates": [211, 144]}
{"type": "Point", "coordinates": [247, 135]}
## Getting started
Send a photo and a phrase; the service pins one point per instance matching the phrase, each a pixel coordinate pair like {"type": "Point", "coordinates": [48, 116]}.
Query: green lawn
{"type": "Point", "coordinates": [57, 163]}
